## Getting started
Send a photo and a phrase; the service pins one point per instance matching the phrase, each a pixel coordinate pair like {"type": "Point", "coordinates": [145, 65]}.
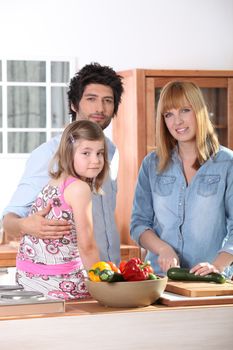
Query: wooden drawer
{"type": "Point", "coordinates": [7, 255]}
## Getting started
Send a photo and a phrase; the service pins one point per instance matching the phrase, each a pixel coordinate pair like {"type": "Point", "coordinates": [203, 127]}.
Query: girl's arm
{"type": "Point", "coordinates": [78, 195]}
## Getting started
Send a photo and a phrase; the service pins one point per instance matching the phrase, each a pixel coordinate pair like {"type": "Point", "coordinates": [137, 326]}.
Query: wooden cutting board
{"type": "Point", "coordinates": [199, 289]}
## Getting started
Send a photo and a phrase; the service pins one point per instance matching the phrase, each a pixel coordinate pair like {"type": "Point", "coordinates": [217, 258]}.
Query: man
{"type": "Point", "coordinates": [94, 94]}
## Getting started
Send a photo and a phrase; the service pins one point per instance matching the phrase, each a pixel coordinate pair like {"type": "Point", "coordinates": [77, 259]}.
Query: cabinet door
{"type": "Point", "coordinates": [217, 93]}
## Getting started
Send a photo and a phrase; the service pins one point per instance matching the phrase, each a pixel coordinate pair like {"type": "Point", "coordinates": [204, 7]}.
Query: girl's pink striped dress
{"type": "Point", "coordinates": [52, 267]}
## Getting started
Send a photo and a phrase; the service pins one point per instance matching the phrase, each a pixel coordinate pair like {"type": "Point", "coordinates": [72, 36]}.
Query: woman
{"type": "Point", "coordinates": [183, 206]}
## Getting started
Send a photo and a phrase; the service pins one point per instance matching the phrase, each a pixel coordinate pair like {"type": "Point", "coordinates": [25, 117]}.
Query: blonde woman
{"type": "Point", "coordinates": [183, 205]}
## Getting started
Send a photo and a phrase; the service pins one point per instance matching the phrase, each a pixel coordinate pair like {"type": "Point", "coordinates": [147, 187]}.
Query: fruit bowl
{"type": "Point", "coordinates": [127, 294]}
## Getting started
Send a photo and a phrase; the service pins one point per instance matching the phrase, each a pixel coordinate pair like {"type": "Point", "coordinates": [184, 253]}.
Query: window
{"type": "Point", "coordinates": [33, 102]}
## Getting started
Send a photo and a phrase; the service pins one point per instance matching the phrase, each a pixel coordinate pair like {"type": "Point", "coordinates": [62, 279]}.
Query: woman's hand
{"type": "Point", "coordinates": [204, 268]}
{"type": "Point", "coordinates": [167, 258]}
{"type": "Point", "coordinates": [219, 264]}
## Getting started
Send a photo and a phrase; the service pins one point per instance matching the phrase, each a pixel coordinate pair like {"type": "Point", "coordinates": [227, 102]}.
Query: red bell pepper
{"type": "Point", "coordinates": [134, 270]}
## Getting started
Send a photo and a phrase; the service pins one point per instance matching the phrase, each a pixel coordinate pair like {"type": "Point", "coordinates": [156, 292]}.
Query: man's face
{"type": "Point", "coordinates": [96, 104]}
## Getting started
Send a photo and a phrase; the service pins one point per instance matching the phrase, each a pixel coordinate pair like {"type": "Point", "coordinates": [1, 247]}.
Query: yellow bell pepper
{"type": "Point", "coordinates": [93, 273]}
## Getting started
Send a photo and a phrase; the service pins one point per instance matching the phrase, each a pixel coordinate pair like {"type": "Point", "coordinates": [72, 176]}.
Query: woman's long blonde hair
{"type": "Point", "coordinates": [63, 160]}
{"type": "Point", "coordinates": [176, 94]}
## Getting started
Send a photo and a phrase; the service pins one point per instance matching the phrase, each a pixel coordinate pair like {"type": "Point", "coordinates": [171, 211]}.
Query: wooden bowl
{"type": "Point", "coordinates": [127, 294]}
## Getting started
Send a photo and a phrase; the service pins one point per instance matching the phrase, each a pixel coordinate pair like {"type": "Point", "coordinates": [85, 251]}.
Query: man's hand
{"type": "Point", "coordinates": [36, 225]}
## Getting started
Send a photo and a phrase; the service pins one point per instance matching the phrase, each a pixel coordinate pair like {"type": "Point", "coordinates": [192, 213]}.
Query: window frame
{"type": "Point", "coordinates": [48, 84]}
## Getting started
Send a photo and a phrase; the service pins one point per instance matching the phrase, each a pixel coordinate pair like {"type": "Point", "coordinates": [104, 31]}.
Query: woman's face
{"type": "Point", "coordinates": [181, 123]}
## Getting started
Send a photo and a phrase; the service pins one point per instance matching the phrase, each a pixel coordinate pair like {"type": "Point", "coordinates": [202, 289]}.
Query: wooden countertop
{"type": "Point", "coordinates": [92, 307]}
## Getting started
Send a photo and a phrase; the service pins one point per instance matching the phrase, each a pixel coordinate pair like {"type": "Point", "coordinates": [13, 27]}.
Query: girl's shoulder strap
{"type": "Point", "coordinates": [69, 180]}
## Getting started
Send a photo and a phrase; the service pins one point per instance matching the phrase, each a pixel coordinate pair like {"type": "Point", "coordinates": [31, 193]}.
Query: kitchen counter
{"type": "Point", "coordinates": [89, 325]}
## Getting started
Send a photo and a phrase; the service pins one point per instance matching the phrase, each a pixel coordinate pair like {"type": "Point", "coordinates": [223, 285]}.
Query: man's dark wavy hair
{"type": "Point", "coordinates": [94, 73]}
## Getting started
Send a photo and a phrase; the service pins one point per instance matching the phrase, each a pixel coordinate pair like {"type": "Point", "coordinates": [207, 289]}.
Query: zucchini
{"type": "Point", "coordinates": [182, 274]}
{"type": "Point", "coordinates": [117, 277]}
{"type": "Point", "coordinates": [110, 276]}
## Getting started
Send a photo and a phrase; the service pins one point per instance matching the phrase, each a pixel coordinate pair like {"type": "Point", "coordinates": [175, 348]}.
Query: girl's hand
{"type": "Point", "coordinates": [167, 258]}
{"type": "Point", "coordinates": [203, 269]}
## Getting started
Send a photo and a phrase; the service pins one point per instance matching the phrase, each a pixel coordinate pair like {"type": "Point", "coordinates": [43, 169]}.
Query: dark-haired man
{"type": "Point", "coordinates": [94, 94]}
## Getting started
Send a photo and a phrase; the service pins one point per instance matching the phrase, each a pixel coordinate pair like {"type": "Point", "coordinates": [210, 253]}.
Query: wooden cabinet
{"type": "Point", "coordinates": [8, 253]}
{"type": "Point", "coordinates": [134, 126]}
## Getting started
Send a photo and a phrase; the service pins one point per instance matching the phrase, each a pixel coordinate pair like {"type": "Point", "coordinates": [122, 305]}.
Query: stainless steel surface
{"type": "Point", "coordinates": [7, 287]}
{"type": "Point", "coordinates": [3, 270]}
{"type": "Point", "coordinates": [20, 294]}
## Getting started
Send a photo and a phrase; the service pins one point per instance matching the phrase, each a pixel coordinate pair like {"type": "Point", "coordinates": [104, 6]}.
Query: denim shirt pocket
{"type": "Point", "coordinates": [208, 185]}
{"type": "Point", "coordinates": [164, 185]}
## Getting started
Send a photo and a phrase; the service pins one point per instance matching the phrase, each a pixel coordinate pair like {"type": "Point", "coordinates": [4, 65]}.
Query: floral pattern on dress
{"type": "Point", "coordinates": [67, 286]}
{"type": "Point", "coordinates": [29, 251]}
{"type": "Point", "coordinates": [53, 251]}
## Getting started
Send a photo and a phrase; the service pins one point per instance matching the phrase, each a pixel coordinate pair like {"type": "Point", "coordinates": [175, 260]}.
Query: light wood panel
{"type": "Point", "coordinates": [164, 328]}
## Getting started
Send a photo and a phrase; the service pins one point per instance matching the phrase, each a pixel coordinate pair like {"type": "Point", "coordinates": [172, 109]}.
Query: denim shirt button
{"type": "Point", "coordinates": [180, 204]}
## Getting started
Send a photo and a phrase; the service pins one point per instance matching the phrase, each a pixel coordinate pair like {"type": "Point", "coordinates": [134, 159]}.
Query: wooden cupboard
{"type": "Point", "coordinates": [134, 126]}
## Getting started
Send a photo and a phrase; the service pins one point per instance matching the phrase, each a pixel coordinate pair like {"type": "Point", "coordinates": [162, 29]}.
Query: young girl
{"type": "Point", "coordinates": [57, 268]}
{"type": "Point", "coordinates": [183, 206]}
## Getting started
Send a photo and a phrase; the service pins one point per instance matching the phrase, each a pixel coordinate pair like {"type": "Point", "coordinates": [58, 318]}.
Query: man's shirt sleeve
{"type": "Point", "coordinates": [34, 178]}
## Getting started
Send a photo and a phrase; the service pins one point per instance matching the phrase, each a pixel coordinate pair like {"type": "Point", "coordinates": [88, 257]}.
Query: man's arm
{"type": "Point", "coordinates": [16, 220]}
{"type": "Point", "coordinates": [37, 225]}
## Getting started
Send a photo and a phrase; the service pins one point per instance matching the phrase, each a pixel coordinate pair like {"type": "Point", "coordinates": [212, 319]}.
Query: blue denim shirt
{"type": "Point", "coordinates": [36, 176]}
{"type": "Point", "coordinates": [196, 220]}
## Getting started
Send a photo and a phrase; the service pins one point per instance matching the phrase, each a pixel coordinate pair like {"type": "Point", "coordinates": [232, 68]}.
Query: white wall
{"type": "Point", "coordinates": [122, 33]}
{"type": "Point", "coordinates": [159, 34]}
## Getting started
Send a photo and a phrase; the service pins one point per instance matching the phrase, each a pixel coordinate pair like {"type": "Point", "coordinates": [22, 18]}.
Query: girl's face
{"type": "Point", "coordinates": [89, 158]}
{"type": "Point", "coordinates": [181, 123]}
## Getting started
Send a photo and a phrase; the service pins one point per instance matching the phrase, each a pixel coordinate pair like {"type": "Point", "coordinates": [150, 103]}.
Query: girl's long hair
{"type": "Point", "coordinates": [176, 94]}
{"type": "Point", "coordinates": [63, 160]}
